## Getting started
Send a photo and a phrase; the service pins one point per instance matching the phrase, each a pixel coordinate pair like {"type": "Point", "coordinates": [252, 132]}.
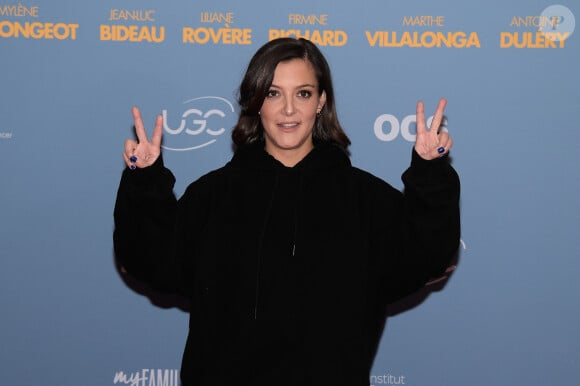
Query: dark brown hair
{"type": "Point", "coordinates": [257, 82]}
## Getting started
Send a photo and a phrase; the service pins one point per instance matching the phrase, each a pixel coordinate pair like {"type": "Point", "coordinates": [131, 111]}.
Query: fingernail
{"type": "Point", "coordinates": [133, 159]}
{"type": "Point", "coordinates": [441, 150]}
{"type": "Point", "coordinates": [132, 167]}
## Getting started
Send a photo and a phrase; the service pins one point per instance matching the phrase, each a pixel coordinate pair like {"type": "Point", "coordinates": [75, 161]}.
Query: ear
{"type": "Point", "coordinates": [322, 100]}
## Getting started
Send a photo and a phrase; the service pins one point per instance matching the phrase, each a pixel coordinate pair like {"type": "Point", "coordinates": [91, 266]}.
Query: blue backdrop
{"type": "Point", "coordinates": [71, 71]}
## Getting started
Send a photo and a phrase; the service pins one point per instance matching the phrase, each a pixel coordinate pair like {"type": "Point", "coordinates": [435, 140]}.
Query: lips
{"type": "Point", "coordinates": [288, 125]}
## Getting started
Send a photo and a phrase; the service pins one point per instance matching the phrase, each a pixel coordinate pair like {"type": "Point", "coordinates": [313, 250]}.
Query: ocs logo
{"type": "Point", "coordinates": [387, 127]}
{"type": "Point", "coordinates": [202, 122]}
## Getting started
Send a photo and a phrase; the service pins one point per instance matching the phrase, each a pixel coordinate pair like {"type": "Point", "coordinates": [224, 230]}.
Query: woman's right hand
{"type": "Point", "coordinates": [143, 153]}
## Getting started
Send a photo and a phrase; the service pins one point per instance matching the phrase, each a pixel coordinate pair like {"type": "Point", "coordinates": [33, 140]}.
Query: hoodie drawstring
{"type": "Point", "coordinates": [261, 243]}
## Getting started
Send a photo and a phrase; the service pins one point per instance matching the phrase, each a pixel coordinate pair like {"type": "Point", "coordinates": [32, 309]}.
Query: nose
{"type": "Point", "coordinates": [288, 105]}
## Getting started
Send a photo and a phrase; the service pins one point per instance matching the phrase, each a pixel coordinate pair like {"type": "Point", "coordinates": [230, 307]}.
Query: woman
{"type": "Point", "coordinates": [288, 254]}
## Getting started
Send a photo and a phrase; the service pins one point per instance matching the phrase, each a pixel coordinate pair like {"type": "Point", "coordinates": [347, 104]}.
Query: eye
{"type": "Point", "coordinates": [272, 93]}
{"type": "Point", "coordinates": [304, 93]}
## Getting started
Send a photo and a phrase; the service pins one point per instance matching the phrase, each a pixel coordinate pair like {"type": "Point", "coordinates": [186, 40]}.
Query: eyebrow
{"type": "Point", "coordinates": [300, 86]}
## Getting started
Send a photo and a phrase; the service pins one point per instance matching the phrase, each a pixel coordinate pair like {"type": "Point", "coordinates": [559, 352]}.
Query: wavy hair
{"type": "Point", "coordinates": [258, 79]}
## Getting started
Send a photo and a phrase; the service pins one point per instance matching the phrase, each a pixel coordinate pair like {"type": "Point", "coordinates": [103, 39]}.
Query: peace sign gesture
{"type": "Point", "coordinates": [432, 143]}
{"type": "Point", "coordinates": [143, 153]}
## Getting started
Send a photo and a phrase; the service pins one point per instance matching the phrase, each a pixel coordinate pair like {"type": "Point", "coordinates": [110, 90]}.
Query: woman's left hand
{"type": "Point", "coordinates": [435, 142]}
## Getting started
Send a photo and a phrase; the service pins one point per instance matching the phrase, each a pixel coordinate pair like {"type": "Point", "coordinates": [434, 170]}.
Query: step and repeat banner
{"type": "Point", "coordinates": [72, 70]}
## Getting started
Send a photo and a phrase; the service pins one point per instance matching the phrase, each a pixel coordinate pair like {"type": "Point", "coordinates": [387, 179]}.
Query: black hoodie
{"type": "Point", "coordinates": [288, 270]}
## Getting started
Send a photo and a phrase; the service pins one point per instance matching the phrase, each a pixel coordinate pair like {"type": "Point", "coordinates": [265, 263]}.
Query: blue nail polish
{"type": "Point", "coordinates": [441, 150]}
{"type": "Point", "coordinates": [132, 167]}
{"type": "Point", "coordinates": [133, 159]}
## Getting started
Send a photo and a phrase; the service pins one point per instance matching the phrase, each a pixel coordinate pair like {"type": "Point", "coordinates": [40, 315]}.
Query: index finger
{"type": "Point", "coordinates": [420, 117]}
{"type": "Point", "coordinates": [157, 131]}
{"type": "Point", "coordinates": [139, 128]}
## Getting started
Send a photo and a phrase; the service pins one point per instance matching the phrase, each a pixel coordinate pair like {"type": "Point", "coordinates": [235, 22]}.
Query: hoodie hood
{"type": "Point", "coordinates": [323, 156]}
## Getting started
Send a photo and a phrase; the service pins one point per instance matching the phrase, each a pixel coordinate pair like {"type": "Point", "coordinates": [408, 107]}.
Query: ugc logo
{"type": "Point", "coordinates": [202, 121]}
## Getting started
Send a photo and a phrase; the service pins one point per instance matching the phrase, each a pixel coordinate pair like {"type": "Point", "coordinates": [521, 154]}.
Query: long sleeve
{"type": "Point", "coordinates": [145, 226]}
{"type": "Point", "coordinates": [430, 225]}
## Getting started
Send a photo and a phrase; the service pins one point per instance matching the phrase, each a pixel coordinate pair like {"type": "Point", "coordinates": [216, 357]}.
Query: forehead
{"type": "Point", "coordinates": [295, 72]}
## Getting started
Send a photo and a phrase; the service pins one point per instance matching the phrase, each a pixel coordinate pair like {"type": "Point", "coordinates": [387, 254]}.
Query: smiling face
{"type": "Point", "coordinates": [289, 111]}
